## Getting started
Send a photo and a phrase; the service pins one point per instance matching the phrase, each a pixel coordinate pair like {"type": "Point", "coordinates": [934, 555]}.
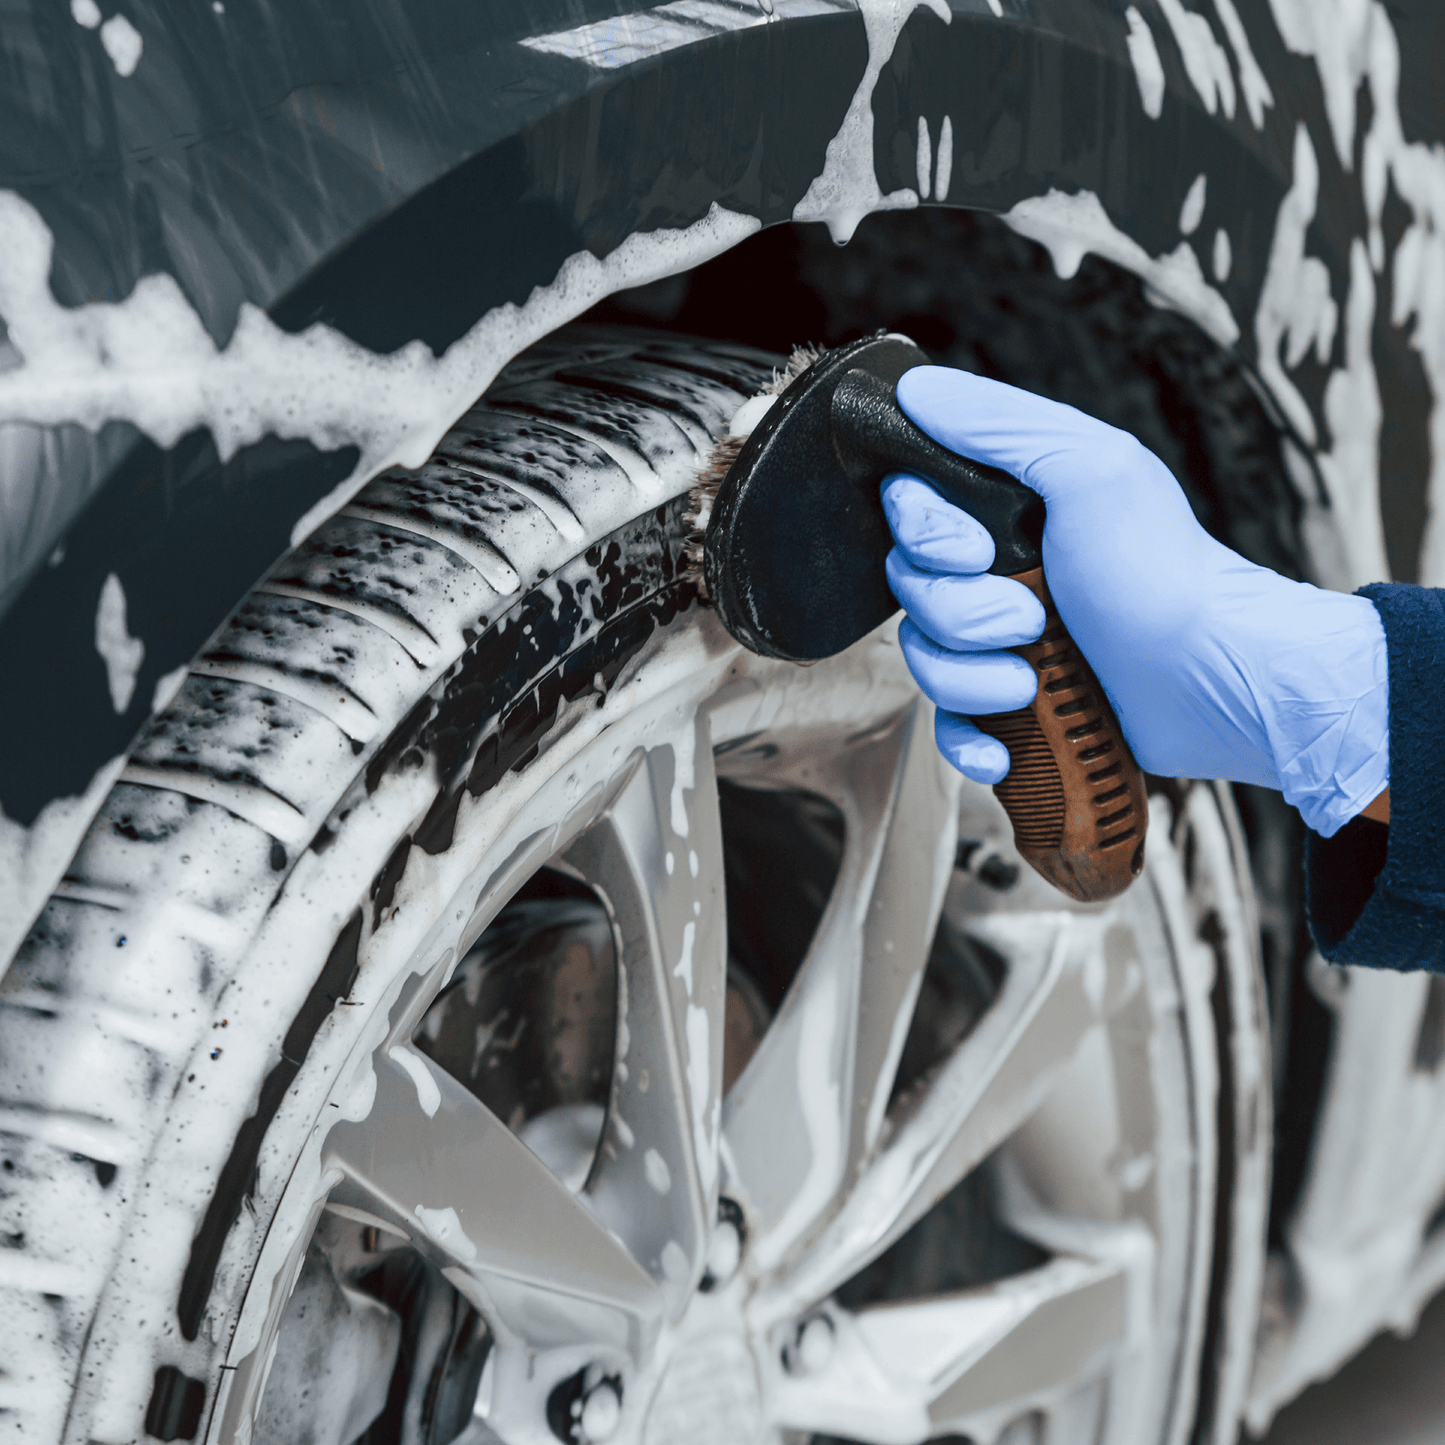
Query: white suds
{"type": "Point", "coordinates": [658, 1174]}
{"type": "Point", "coordinates": [1192, 211]}
{"type": "Point", "coordinates": [692, 862]}
{"type": "Point", "coordinates": [148, 359]}
{"type": "Point", "coordinates": [168, 684]}
{"type": "Point", "coordinates": [1223, 255]}
{"type": "Point", "coordinates": [923, 162]}
{"type": "Point", "coordinates": [1148, 69]}
{"type": "Point", "coordinates": [1354, 413]}
{"type": "Point", "coordinates": [750, 413]}
{"type": "Point", "coordinates": [428, 1093]}
{"type": "Point", "coordinates": [683, 968]}
{"type": "Point", "coordinates": [85, 12]}
{"type": "Point", "coordinates": [1296, 315]}
{"type": "Point", "coordinates": [1205, 62]}
{"type": "Point", "coordinates": [847, 188]}
{"type": "Point", "coordinates": [1257, 93]}
{"type": "Point", "coordinates": [121, 653]}
{"type": "Point", "coordinates": [684, 749]}
{"type": "Point", "coordinates": [1418, 171]}
{"type": "Point", "coordinates": [1295, 306]}
{"type": "Point", "coordinates": [699, 1091]}
{"type": "Point", "coordinates": [1337, 34]}
{"type": "Point", "coordinates": [446, 1228]}
{"type": "Point", "coordinates": [556, 512]}
{"type": "Point", "coordinates": [1351, 41]}
{"type": "Point", "coordinates": [32, 859]}
{"type": "Point", "coordinates": [1135, 1173]}
{"type": "Point", "coordinates": [674, 1262]}
{"type": "Point", "coordinates": [122, 43]}
{"type": "Point", "coordinates": [1071, 227]}
{"type": "Point", "coordinates": [945, 160]}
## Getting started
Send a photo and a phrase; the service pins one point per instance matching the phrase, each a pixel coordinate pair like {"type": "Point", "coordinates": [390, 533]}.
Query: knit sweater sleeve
{"type": "Point", "coordinates": [1376, 893]}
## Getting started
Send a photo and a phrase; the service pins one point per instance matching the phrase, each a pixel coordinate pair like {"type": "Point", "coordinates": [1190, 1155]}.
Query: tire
{"type": "Point", "coordinates": [268, 1173]}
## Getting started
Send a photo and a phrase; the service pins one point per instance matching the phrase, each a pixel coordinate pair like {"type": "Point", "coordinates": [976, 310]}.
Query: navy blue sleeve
{"type": "Point", "coordinates": [1376, 894]}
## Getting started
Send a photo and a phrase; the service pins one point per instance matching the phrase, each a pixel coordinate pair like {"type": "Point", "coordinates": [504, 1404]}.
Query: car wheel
{"type": "Point", "coordinates": [491, 1004]}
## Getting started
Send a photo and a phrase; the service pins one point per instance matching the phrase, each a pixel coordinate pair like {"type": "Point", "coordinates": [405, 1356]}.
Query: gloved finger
{"type": "Point", "coordinates": [1045, 444]}
{"type": "Point", "coordinates": [967, 682]}
{"type": "Point", "coordinates": [968, 613]}
{"type": "Point", "coordinates": [933, 533]}
{"type": "Point", "coordinates": [974, 754]}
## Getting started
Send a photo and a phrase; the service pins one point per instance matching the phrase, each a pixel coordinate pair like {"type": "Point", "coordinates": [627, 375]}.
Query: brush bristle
{"type": "Point", "coordinates": [801, 359]}
{"type": "Point", "coordinates": [719, 463]}
{"type": "Point", "coordinates": [700, 499]}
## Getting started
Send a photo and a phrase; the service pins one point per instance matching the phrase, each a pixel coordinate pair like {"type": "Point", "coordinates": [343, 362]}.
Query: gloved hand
{"type": "Point", "coordinates": [1216, 668]}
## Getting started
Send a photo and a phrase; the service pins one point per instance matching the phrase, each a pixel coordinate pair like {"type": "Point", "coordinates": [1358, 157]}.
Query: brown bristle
{"type": "Point", "coordinates": [799, 361]}
{"type": "Point", "coordinates": [719, 463]}
{"type": "Point", "coordinates": [700, 499]}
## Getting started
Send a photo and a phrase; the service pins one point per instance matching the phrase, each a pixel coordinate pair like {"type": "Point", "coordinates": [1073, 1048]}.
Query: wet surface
{"type": "Point", "coordinates": [1392, 1393]}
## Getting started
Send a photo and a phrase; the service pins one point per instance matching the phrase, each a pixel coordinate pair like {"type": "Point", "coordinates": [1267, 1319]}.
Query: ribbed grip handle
{"type": "Point", "coordinates": [1074, 793]}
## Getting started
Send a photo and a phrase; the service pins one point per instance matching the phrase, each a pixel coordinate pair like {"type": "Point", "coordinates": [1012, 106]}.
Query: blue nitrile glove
{"type": "Point", "coordinates": [1216, 668]}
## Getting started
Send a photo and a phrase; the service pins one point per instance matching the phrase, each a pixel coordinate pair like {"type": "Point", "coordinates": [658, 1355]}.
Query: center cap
{"type": "Point", "coordinates": [708, 1396]}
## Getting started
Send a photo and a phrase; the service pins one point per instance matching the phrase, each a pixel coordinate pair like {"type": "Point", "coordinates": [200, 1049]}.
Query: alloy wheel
{"type": "Point", "coordinates": [961, 1185]}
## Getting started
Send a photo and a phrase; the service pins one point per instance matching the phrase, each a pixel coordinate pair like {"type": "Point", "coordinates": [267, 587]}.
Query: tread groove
{"type": "Point", "coordinates": [409, 635]}
{"type": "Point", "coordinates": [315, 693]}
{"type": "Point", "coordinates": [483, 557]}
{"type": "Point", "coordinates": [249, 801]}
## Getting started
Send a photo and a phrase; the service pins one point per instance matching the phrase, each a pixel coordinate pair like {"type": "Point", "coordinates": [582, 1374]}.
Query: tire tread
{"type": "Point", "coordinates": [111, 1014]}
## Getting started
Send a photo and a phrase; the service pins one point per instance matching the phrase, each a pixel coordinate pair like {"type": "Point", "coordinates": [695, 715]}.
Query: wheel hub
{"type": "Point", "coordinates": [709, 1393]}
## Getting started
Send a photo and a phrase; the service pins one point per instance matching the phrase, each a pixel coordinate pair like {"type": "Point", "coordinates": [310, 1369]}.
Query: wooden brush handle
{"type": "Point", "coordinates": [1074, 793]}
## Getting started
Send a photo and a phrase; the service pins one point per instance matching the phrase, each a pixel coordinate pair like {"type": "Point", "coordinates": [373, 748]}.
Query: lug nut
{"type": "Point", "coordinates": [724, 1246]}
{"type": "Point", "coordinates": [811, 1347]}
{"type": "Point", "coordinates": [585, 1408]}
{"type": "Point", "coordinates": [986, 864]}
{"type": "Point", "coordinates": [601, 1410]}
{"type": "Point", "coordinates": [724, 1251]}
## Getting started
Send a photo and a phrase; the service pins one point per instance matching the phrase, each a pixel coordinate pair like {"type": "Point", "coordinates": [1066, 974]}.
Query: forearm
{"type": "Point", "coordinates": [1379, 810]}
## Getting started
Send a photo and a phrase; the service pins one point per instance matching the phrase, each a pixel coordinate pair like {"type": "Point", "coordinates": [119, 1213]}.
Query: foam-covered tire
{"type": "Point", "coordinates": [407, 657]}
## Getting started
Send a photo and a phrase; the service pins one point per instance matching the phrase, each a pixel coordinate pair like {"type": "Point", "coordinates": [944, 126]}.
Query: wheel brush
{"type": "Point", "coordinates": [791, 549]}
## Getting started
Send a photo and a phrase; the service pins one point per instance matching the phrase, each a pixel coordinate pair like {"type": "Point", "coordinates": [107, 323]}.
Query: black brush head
{"type": "Point", "coordinates": [795, 544]}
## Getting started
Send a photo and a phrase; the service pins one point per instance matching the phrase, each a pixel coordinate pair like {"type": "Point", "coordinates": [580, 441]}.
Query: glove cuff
{"type": "Point", "coordinates": [1401, 922]}
{"type": "Point", "coordinates": [1330, 713]}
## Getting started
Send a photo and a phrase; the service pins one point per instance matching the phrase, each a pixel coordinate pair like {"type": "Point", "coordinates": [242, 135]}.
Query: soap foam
{"type": "Point", "coordinates": [148, 360]}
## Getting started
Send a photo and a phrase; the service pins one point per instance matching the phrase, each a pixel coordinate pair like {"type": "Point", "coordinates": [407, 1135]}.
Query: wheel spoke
{"type": "Point", "coordinates": [656, 858]}
{"type": "Point", "coordinates": [434, 1159]}
{"type": "Point", "coordinates": [964, 1363]}
{"type": "Point", "coordinates": [1065, 974]}
{"type": "Point", "coordinates": [810, 1105]}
